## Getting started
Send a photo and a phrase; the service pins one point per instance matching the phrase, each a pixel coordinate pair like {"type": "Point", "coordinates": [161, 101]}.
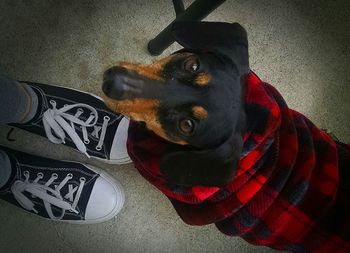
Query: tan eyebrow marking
{"type": "Point", "coordinates": [152, 71]}
{"type": "Point", "coordinates": [199, 112]}
{"type": "Point", "coordinates": [203, 79]}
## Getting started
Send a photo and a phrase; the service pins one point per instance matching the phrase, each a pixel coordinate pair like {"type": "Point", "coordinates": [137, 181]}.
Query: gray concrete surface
{"type": "Point", "coordinates": [302, 47]}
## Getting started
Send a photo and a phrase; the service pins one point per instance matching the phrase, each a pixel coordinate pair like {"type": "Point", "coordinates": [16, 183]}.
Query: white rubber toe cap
{"type": "Point", "coordinates": [106, 200]}
{"type": "Point", "coordinates": [119, 152]}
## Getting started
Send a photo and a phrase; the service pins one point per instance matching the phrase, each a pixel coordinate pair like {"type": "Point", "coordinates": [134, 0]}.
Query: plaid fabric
{"type": "Point", "coordinates": [286, 194]}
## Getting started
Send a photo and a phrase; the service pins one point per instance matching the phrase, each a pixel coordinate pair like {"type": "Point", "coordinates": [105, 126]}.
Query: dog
{"type": "Point", "coordinates": [225, 148]}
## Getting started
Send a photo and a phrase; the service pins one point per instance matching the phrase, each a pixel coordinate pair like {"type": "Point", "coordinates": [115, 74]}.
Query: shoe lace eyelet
{"type": "Point", "coordinates": [98, 148]}
{"type": "Point", "coordinates": [53, 102]}
{"type": "Point", "coordinates": [82, 179]}
{"type": "Point", "coordinates": [40, 175]}
{"type": "Point", "coordinates": [26, 173]}
{"type": "Point", "coordinates": [70, 175]}
{"type": "Point", "coordinates": [54, 175]}
{"type": "Point", "coordinates": [106, 118]}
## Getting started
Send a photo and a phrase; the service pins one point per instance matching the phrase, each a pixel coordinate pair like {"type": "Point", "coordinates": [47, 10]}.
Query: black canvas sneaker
{"type": "Point", "coordinates": [61, 190]}
{"type": "Point", "coordinates": [80, 120]}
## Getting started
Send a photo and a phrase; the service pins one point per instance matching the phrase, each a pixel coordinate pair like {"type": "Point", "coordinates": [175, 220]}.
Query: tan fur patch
{"type": "Point", "coordinates": [199, 112]}
{"type": "Point", "coordinates": [152, 71]}
{"type": "Point", "coordinates": [203, 79]}
{"type": "Point", "coordinates": [144, 110]}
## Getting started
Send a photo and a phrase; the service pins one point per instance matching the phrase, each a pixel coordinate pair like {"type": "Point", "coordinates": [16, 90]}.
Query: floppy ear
{"type": "Point", "coordinates": [227, 39]}
{"type": "Point", "coordinates": [213, 167]}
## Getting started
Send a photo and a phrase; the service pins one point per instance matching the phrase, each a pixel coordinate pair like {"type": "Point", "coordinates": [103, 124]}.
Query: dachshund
{"type": "Point", "coordinates": [225, 147]}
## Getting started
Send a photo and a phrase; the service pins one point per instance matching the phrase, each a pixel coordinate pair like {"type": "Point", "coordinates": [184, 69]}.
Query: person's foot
{"type": "Point", "coordinates": [79, 120]}
{"type": "Point", "coordinates": [61, 190]}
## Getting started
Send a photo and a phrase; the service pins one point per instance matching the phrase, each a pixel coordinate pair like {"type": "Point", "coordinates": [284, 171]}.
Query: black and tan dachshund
{"type": "Point", "coordinates": [192, 97]}
{"type": "Point", "coordinates": [239, 156]}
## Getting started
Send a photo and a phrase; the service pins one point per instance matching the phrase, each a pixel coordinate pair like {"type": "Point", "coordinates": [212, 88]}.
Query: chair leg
{"type": "Point", "coordinates": [179, 7]}
{"type": "Point", "coordinates": [198, 10]}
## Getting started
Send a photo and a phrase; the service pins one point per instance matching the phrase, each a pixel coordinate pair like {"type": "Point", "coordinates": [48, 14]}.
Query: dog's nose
{"type": "Point", "coordinates": [114, 71]}
{"type": "Point", "coordinates": [118, 83]}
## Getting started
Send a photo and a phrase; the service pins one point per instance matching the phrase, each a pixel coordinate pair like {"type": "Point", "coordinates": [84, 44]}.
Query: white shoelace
{"type": "Point", "coordinates": [60, 122]}
{"type": "Point", "coordinates": [41, 191]}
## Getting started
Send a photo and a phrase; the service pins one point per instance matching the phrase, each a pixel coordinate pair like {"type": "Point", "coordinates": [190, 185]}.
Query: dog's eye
{"type": "Point", "coordinates": [191, 64]}
{"type": "Point", "coordinates": [186, 126]}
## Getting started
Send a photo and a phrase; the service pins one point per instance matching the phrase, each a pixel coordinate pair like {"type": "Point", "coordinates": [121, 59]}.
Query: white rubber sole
{"type": "Point", "coordinates": [120, 161]}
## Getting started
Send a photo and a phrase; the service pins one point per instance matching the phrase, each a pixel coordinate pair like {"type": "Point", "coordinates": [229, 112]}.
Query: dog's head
{"type": "Point", "coordinates": [193, 98]}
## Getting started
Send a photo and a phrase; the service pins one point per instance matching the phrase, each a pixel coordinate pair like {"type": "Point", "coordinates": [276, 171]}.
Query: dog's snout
{"type": "Point", "coordinates": [111, 73]}
{"type": "Point", "coordinates": [118, 83]}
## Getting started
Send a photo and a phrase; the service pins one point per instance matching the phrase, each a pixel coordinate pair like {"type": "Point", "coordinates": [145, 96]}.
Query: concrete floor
{"type": "Point", "coordinates": [302, 47]}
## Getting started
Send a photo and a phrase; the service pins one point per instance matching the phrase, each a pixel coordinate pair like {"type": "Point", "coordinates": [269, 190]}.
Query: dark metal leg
{"type": "Point", "coordinates": [198, 10]}
{"type": "Point", "coordinates": [179, 7]}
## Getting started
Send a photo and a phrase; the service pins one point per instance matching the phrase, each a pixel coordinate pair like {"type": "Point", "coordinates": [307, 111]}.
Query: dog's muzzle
{"type": "Point", "coordinates": [119, 84]}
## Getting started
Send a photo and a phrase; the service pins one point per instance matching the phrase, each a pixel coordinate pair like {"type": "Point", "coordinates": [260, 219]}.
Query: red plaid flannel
{"type": "Point", "coordinates": [285, 190]}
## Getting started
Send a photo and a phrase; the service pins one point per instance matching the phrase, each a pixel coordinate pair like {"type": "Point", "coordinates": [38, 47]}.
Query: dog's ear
{"type": "Point", "coordinates": [227, 39]}
{"type": "Point", "coordinates": [213, 167]}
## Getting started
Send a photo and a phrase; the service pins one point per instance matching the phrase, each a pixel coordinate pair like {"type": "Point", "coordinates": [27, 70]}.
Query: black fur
{"type": "Point", "coordinates": [213, 151]}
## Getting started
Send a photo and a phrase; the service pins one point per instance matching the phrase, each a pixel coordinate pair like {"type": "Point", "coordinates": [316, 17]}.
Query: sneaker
{"type": "Point", "coordinates": [80, 120]}
{"type": "Point", "coordinates": [61, 190]}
